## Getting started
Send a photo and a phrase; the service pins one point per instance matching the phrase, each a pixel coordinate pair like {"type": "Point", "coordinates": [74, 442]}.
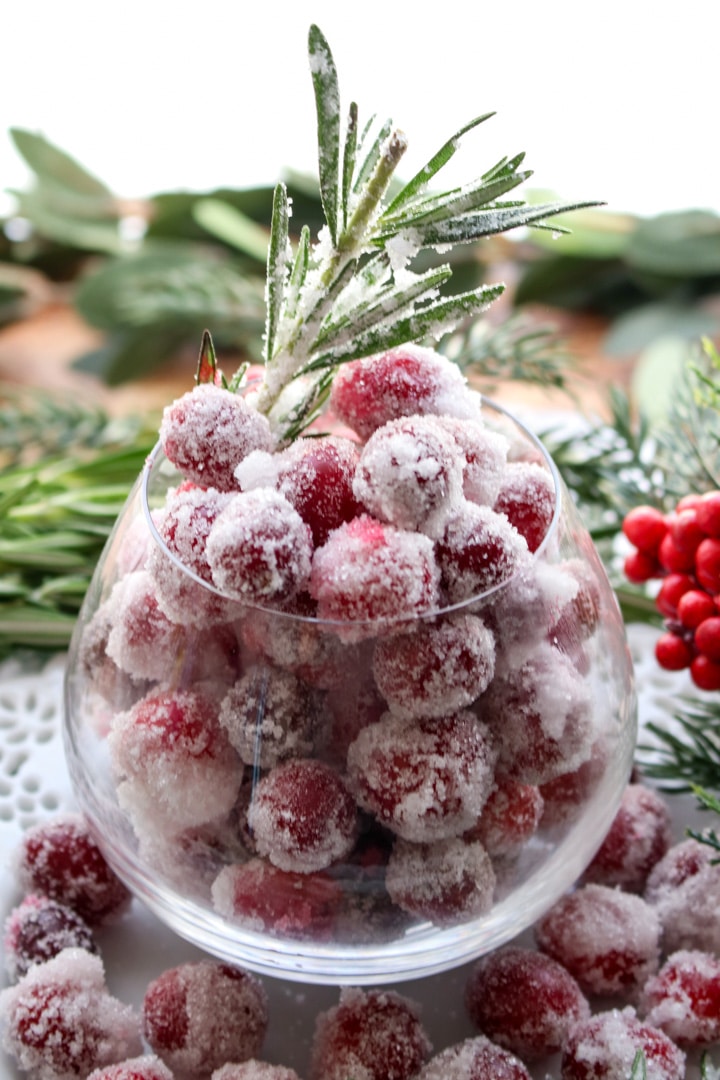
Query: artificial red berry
{"type": "Point", "coordinates": [707, 638]}
{"type": "Point", "coordinates": [685, 530]}
{"type": "Point", "coordinates": [707, 564]}
{"type": "Point", "coordinates": [688, 502]}
{"type": "Point", "coordinates": [673, 558]}
{"type": "Point", "coordinates": [673, 587]}
{"type": "Point", "coordinates": [645, 527]}
{"type": "Point", "coordinates": [672, 652]}
{"type": "Point", "coordinates": [640, 567]}
{"type": "Point", "coordinates": [694, 608]}
{"type": "Point", "coordinates": [705, 673]}
{"type": "Point", "coordinates": [708, 513]}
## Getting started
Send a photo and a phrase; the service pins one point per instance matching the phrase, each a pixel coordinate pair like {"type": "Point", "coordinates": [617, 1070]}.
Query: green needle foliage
{"type": "Point", "coordinates": [354, 291]}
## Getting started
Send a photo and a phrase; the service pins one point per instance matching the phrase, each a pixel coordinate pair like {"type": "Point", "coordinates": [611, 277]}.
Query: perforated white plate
{"type": "Point", "coordinates": [34, 785]}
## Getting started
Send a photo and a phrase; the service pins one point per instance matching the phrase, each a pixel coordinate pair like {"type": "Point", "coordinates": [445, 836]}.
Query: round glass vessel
{"type": "Point", "coordinates": [342, 801]}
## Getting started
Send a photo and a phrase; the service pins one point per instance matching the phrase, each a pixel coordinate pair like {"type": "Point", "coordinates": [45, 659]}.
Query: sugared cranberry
{"type": "Point", "coordinates": [61, 1023]}
{"type": "Point", "coordinates": [446, 881]}
{"type": "Point", "coordinates": [484, 453]}
{"type": "Point", "coordinates": [61, 859]}
{"type": "Point", "coordinates": [147, 1067]}
{"type": "Point", "coordinates": [637, 839]}
{"type": "Point", "coordinates": [302, 816]}
{"type": "Point", "coordinates": [369, 572]}
{"type": "Point", "coordinates": [199, 1015]}
{"type": "Point", "coordinates": [376, 1034]}
{"type": "Point", "coordinates": [425, 779]}
{"type": "Point", "coordinates": [684, 890]}
{"type": "Point", "coordinates": [474, 1059]}
{"type": "Point", "coordinates": [524, 1001]}
{"type": "Point", "coordinates": [477, 550]}
{"type": "Point", "coordinates": [40, 928]}
{"type": "Point", "coordinates": [254, 1070]}
{"type": "Point", "coordinates": [440, 667]}
{"type": "Point", "coordinates": [684, 998]}
{"type": "Point", "coordinates": [608, 940]}
{"type": "Point", "coordinates": [259, 548]}
{"type": "Point", "coordinates": [269, 715]}
{"type": "Point", "coordinates": [509, 818]}
{"type": "Point", "coordinates": [406, 381]}
{"type": "Point", "coordinates": [207, 431]}
{"type": "Point", "coordinates": [605, 1047]}
{"type": "Point", "coordinates": [409, 474]}
{"type": "Point", "coordinates": [264, 898]}
{"type": "Point", "coordinates": [527, 498]}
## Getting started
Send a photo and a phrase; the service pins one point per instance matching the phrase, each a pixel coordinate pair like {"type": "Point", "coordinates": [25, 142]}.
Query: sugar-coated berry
{"type": "Point", "coordinates": [302, 816]}
{"type": "Point", "coordinates": [40, 928]}
{"type": "Point", "coordinates": [263, 898]}
{"type": "Point", "coordinates": [61, 1023]}
{"type": "Point", "coordinates": [639, 836]}
{"type": "Point", "coordinates": [369, 1034]}
{"type": "Point", "coordinates": [269, 715]}
{"type": "Point", "coordinates": [607, 939]}
{"type": "Point", "coordinates": [705, 673]}
{"type": "Point", "coordinates": [440, 667]}
{"type": "Point", "coordinates": [60, 858]}
{"type": "Point", "coordinates": [527, 498]}
{"type": "Point", "coordinates": [406, 381]}
{"type": "Point", "coordinates": [173, 763]}
{"type": "Point", "coordinates": [605, 1047]}
{"type": "Point", "coordinates": [683, 998]}
{"type": "Point", "coordinates": [147, 1067]}
{"type": "Point", "coordinates": [254, 1070]}
{"type": "Point", "coordinates": [708, 513]}
{"type": "Point", "coordinates": [370, 572]}
{"type": "Point", "coordinates": [409, 474]}
{"type": "Point", "coordinates": [474, 1059]}
{"type": "Point", "coordinates": [207, 431]}
{"type": "Point", "coordinates": [694, 607]}
{"type": "Point", "coordinates": [645, 527]}
{"type": "Point", "coordinates": [672, 588]}
{"type": "Point", "coordinates": [565, 796]}
{"type": "Point", "coordinates": [425, 779]}
{"type": "Point", "coordinates": [477, 550]}
{"type": "Point", "coordinates": [525, 1001]}
{"type": "Point", "coordinates": [484, 455]}
{"type": "Point", "coordinates": [707, 637]}
{"type": "Point", "coordinates": [707, 564]}
{"type": "Point", "coordinates": [447, 881]}
{"type": "Point", "coordinates": [259, 548]}
{"type": "Point", "coordinates": [199, 1015]}
{"type": "Point", "coordinates": [509, 818]}
{"type": "Point", "coordinates": [684, 889]}
{"type": "Point", "coordinates": [672, 652]}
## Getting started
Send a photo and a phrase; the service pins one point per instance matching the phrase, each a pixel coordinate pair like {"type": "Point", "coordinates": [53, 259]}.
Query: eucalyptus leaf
{"type": "Point", "coordinates": [677, 244]}
{"type": "Point", "coordinates": [100, 235]}
{"type": "Point", "coordinates": [656, 376]}
{"type": "Point", "coordinates": [231, 226]}
{"type": "Point", "coordinates": [54, 165]}
{"type": "Point", "coordinates": [642, 326]}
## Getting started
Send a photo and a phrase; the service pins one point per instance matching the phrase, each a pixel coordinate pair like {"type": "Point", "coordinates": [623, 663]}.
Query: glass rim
{"type": "Point", "coordinates": [466, 605]}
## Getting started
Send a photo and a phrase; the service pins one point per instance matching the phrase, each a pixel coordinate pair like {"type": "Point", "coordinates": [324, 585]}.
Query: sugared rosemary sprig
{"type": "Point", "coordinates": [353, 291]}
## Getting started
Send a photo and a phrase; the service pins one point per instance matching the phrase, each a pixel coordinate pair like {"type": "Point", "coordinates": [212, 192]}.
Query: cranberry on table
{"type": "Point", "coordinates": [147, 1067]}
{"type": "Point", "coordinates": [605, 1047]}
{"type": "Point", "coordinates": [61, 859]}
{"type": "Point", "coordinates": [61, 1022]}
{"type": "Point", "coordinates": [373, 1034]}
{"type": "Point", "coordinates": [474, 1059]}
{"type": "Point", "coordinates": [608, 940]}
{"type": "Point", "coordinates": [525, 1001]}
{"type": "Point", "coordinates": [38, 929]}
{"type": "Point", "coordinates": [683, 998]}
{"type": "Point", "coordinates": [684, 890]}
{"type": "Point", "coordinates": [254, 1070]}
{"type": "Point", "coordinates": [200, 1015]}
{"type": "Point", "coordinates": [637, 839]}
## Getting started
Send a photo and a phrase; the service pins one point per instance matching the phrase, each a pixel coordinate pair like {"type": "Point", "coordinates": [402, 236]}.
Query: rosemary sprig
{"type": "Point", "coordinates": [353, 292]}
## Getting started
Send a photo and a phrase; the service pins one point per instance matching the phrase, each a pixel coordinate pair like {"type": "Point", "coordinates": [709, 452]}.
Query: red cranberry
{"type": "Point", "coordinates": [605, 1046]}
{"type": "Point", "coordinates": [40, 928]}
{"type": "Point", "coordinates": [474, 1059]}
{"type": "Point", "coordinates": [639, 836]}
{"type": "Point", "coordinates": [645, 527]}
{"type": "Point", "coordinates": [684, 998]}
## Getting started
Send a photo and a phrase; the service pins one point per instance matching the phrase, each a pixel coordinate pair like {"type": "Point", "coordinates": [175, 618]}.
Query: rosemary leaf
{"type": "Point", "coordinates": [327, 105]}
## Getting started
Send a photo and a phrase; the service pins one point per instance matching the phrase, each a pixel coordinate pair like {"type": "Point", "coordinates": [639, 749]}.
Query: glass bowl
{"type": "Point", "coordinates": [339, 801]}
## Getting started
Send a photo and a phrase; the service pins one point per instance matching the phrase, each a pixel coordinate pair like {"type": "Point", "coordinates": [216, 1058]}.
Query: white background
{"type": "Point", "coordinates": [613, 101]}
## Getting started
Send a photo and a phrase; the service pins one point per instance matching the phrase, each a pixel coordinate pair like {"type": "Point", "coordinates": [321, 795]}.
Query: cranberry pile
{"type": "Point", "coordinates": [628, 961]}
{"type": "Point", "coordinates": [683, 549]}
{"type": "Point", "coordinates": [302, 698]}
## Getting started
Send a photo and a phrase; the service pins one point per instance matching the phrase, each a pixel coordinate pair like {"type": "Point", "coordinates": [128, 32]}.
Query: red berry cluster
{"type": "Point", "coordinates": [683, 548]}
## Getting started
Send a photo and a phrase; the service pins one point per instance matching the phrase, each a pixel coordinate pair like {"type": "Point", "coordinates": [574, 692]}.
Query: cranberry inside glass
{"type": "Point", "coordinates": [357, 733]}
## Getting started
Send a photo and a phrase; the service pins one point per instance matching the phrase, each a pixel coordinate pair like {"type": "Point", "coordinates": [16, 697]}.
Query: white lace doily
{"type": "Point", "coordinates": [34, 784]}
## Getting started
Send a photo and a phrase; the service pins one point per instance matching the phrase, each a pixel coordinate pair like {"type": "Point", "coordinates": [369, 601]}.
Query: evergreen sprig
{"type": "Point", "coordinates": [353, 292]}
